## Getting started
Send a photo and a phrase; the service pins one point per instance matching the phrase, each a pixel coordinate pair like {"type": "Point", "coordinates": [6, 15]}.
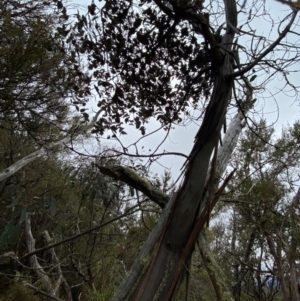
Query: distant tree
{"type": "Point", "coordinates": [37, 74]}
{"type": "Point", "coordinates": [37, 87]}
{"type": "Point", "coordinates": [262, 250]}
{"type": "Point", "coordinates": [39, 80]}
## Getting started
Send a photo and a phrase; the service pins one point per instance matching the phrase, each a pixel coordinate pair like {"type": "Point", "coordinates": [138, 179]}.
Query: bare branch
{"type": "Point", "coordinates": [33, 252]}
{"type": "Point", "coordinates": [268, 50]}
{"type": "Point", "coordinates": [42, 292]}
{"type": "Point", "coordinates": [41, 152]}
{"type": "Point", "coordinates": [41, 274]}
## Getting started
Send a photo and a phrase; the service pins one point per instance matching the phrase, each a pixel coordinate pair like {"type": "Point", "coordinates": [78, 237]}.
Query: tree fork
{"type": "Point", "coordinates": [158, 280]}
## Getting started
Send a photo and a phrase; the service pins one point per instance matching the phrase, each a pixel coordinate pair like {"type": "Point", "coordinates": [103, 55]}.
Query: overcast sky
{"type": "Point", "coordinates": [281, 110]}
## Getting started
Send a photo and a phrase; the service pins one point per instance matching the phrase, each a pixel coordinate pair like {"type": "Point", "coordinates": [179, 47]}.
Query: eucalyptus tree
{"type": "Point", "coordinates": [37, 73]}
{"type": "Point", "coordinates": [39, 80]}
{"type": "Point", "coordinates": [35, 98]}
{"type": "Point", "coordinates": [134, 50]}
{"type": "Point", "coordinates": [263, 201]}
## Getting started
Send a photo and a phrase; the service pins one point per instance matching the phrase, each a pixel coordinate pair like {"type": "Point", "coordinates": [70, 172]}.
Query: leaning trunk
{"type": "Point", "coordinates": [162, 274]}
{"type": "Point", "coordinates": [161, 280]}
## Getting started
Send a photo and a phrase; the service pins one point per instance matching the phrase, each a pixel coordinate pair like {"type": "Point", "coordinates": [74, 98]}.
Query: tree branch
{"type": "Point", "coordinates": [42, 292]}
{"type": "Point", "coordinates": [39, 153]}
{"type": "Point", "coordinates": [133, 179]}
{"type": "Point", "coordinates": [33, 252]}
{"type": "Point", "coordinates": [268, 50]}
{"type": "Point", "coordinates": [41, 274]}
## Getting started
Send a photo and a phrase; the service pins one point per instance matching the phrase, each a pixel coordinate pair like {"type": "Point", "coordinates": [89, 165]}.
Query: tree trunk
{"type": "Point", "coordinates": [292, 248]}
{"type": "Point", "coordinates": [35, 265]}
{"type": "Point", "coordinates": [159, 282]}
{"type": "Point", "coordinates": [294, 281]}
{"type": "Point", "coordinates": [161, 278]}
{"type": "Point", "coordinates": [224, 154]}
{"type": "Point", "coordinates": [276, 253]}
{"type": "Point", "coordinates": [236, 286]}
{"type": "Point", "coordinates": [214, 271]}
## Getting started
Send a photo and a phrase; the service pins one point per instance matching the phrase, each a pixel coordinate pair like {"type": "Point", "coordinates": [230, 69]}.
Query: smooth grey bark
{"type": "Point", "coordinates": [49, 288]}
{"type": "Point", "coordinates": [229, 143]}
{"type": "Point", "coordinates": [9, 171]}
{"type": "Point", "coordinates": [38, 269]}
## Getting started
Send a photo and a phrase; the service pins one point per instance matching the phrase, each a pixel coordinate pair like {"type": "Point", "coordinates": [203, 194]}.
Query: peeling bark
{"type": "Point", "coordinates": [224, 153]}
{"type": "Point", "coordinates": [157, 283]}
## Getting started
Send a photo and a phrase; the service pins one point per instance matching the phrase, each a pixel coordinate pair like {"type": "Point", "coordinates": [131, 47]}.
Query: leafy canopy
{"type": "Point", "coordinates": [145, 61]}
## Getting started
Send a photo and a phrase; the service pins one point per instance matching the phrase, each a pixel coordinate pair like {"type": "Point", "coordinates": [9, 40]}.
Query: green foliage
{"type": "Point", "coordinates": [104, 295]}
{"type": "Point", "coordinates": [17, 291]}
{"type": "Point", "coordinates": [264, 215]}
{"type": "Point", "coordinates": [165, 183]}
{"type": "Point", "coordinates": [37, 74]}
{"type": "Point", "coordinates": [132, 53]}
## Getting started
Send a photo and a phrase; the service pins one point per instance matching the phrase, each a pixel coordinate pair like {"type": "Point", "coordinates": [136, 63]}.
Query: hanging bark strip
{"type": "Point", "coordinates": [160, 282]}
{"type": "Point", "coordinates": [224, 153]}
{"type": "Point", "coordinates": [204, 216]}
